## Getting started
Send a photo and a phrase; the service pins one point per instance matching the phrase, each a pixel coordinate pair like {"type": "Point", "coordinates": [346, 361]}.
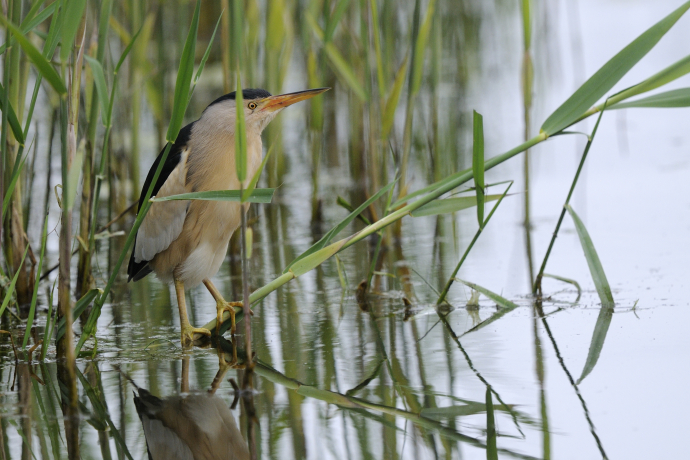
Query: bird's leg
{"type": "Point", "coordinates": [187, 333]}
{"type": "Point", "coordinates": [222, 306]}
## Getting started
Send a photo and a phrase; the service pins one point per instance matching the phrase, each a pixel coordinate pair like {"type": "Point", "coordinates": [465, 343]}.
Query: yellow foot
{"type": "Point", "coordinates": [187, 336]}
{"type": "Point", "coordinates": [221, 307]}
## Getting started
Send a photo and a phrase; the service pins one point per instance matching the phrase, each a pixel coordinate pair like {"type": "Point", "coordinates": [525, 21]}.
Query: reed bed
{"type": "Point", "coordinates": [104, 70]}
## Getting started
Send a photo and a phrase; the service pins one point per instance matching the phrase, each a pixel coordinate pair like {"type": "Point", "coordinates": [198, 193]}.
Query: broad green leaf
{"type": "Point", "coordinates": [595, 267]}
{"type": "Point", "coordinates": [74, 10]}
{"type": "Point", "coordinates": [101, 88]}
{"type": "Point", "coordinates": [313, 260]}
{"type": "Point", "coordinates": [449, 205]}
{"type": "Point", "coordinates": [669, 99]}
{"type": "Point", "coordinates": [184, 78]}
{"type": "Point", "coordinates": [12, 118]}
{"type": "Point", "coordinates": [429, 188]}
{"type": "Point", "coordinates": [79, 308]}
{"type": "Point", "coordinates": [608, 75]}
{"type": "Point", "coordinates": [604, 291]}
{"type": "Point", "coordinates": [669, 74]}
{"type": "Point", "coordinates": [10, 289]}
{"type": "Point", "coordinates": [44, 67]}
{"type": "Point", "coordinates": [478, 164]}
{"type": "Point", "coordinates": [328, 237]}
{"type": "Point", "coordinates": [393, 100]}
{"type": "Point", "coordinates": [29, 23]}
{"type": "Point", "coordinates": [491, 449]}
{"type": "Point", "coordinates": [259, 195]}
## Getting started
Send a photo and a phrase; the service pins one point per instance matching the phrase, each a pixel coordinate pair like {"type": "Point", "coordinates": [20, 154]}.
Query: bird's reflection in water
{"type": "Point", "coordinates": [192, 425]}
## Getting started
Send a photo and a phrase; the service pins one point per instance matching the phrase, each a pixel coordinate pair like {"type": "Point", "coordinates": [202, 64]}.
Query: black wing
{"type": "Point", "coordinates": [138, 270]}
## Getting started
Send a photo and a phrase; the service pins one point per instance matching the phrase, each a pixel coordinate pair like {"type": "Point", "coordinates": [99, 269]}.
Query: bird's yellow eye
{"type": "Point", "coordinates": [252, 105]}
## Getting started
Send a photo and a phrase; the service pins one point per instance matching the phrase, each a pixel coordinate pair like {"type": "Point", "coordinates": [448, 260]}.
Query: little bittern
{"type": "Point", "coordinates": [185, 242]}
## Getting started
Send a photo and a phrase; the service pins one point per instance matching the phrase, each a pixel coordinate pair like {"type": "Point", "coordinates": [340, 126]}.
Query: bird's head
{"type": "Point", "coordinates": [260, 107]}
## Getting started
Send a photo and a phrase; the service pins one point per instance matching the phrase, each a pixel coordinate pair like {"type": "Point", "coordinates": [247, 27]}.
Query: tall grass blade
{"type": "Point", "coordinates": [34, 298]}
{"type": "Point", "coordinates": [449, 205]}
{"type": "Point", "coordinates": [676, 98]}
{"type": "Point", "coordinates": [12, 118]}
{"type": "Point", "coordinates": [30, 22]}
{"type": "Point", "coordinates": [240, 133]}
{"type": "Point", "coordinates": [202, 64]}
{"type": "Point", "coordinates": [71, 19]}
{"type": "Point", "coordinates": [420, 46]}
{"type": "Point", "coordinates": [491, 449]}
{"type": "Point", "coordinates": [603, 289]}
{"type": "Point", "coordinates": [393, 100]}
{"type": "Point", "coordinates": [338, 62]}
{"type": "Point", "coordinates": [9, 290]}
{"type": "Point", "coordinates": [79, 308]}
{"type": "Point", "coordinates": [334, 19]}
{"type": "Point", "coordinates": [16, 173]}
{"type": "Point", "coordinates": [259, 195]}
{"type": "Point", "coordinates": [609, 74]}
{"type": "Point", "coordinates": [101, 87]}
{"type": "Point", "coordinates": [478, 164]}
{"type": "Point", "coordinates": [184, 78]}
{"type": "Point", "coordinates": [44, 67]}
{"type": "Point", "coordinates": [595, 267]}
{"type": "Point", "coordinates": [251, 187]}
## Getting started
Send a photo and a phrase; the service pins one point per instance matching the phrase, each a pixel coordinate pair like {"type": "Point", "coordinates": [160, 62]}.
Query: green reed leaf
{"type": "Point", "coordinates": [12, 118]}
{"type": "Point", "coordinates": [10, 289]}
{"type": "Point", "coordinates": [340, 65]}
{"type": "Point", "coordinates": [208, 49]}
{"type": "Point", "coordinates": [313, 260]}
{"type": "Point", "coordinates": [393, 100]}
{"type": "Point", "coordinates": [79, 308]}
{"type": "Point", "coordinates": [334, 19]}
{"type": "Point", "coordinates": [101, 88]}
{"type": "Point", "coordinates": [675, 98]}
{"type": "Point", "coordinates": [184, 78]}
{"type": "Point", "coordinates": [259, 195]}
{"type": "Point", "coordinates": [604, 291]}
{"type": "Point", "coordinates": [478, 164]}
{"type": "Point", "coordinates": [595, 267]}
{"type": "Point", "coordinates": [16, 172]}
{"type": "Point", "coordinates": [328, 237]}
{"type": "Point", "coordinates": [255, 179]}
{"type": "Point", "coordinates": [74, 11]}
{"type": "Point", "coordinates": [491, 449]}
{"type": "Point", "coordinates": [29, 23]}
{"type": "Point", "coordinates": [44, 67]}
{"type": "Point", "coordinates": [420, 46]}
{"type": "Point", "coordinates": [449, 205]}
{"type": "Point", "coordinates": [609, 74]}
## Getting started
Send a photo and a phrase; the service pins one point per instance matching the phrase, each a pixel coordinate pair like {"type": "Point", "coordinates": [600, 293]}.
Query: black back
{"type": "Point", "coordinates": [138, 270]}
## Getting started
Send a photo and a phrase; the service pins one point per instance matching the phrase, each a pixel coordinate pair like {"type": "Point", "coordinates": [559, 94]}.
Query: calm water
{"type": "Point", "coordinates": [417, 386]}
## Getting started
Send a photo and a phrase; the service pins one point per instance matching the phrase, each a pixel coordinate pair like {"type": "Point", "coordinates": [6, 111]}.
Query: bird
{"type": "Point", "coordinates": [192, 425]}
{"type": "Point", "coordinates": [185, 242]}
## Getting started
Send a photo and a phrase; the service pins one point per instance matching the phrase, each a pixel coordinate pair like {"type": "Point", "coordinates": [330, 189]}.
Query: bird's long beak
{"type": "Point", "coordinates": [274, 103]}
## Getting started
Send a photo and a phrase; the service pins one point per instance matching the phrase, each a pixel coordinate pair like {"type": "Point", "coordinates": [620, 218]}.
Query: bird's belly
{"type": "Point", "coordinates": [213, 223]}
